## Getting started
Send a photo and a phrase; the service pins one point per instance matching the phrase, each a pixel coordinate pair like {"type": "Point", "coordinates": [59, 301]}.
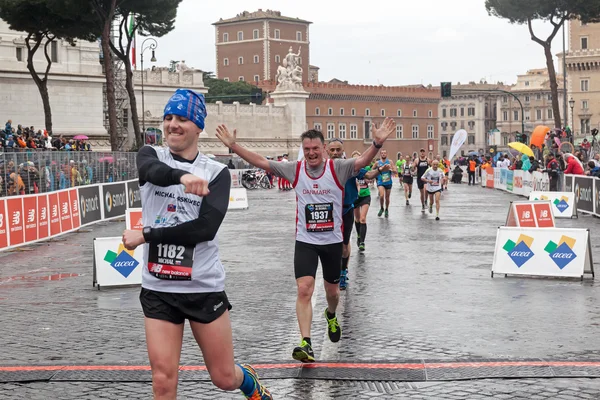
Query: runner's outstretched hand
{"type": "Point", "coordinates": [387, 128]}
{"type": "Point", "coordinates": [224, 136]}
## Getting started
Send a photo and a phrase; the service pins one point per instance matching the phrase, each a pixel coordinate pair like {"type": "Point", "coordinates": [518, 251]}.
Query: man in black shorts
{"type": "Point", "coordinates": [318, 184]}
{"type": "Point", "coordinates": [421, 164]}
{"type": "Point", "coordinates": [185, 196]}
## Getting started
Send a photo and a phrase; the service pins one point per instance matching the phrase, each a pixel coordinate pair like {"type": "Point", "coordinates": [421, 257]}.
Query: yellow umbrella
{"type": "Point", "coordinates": [521, 148]}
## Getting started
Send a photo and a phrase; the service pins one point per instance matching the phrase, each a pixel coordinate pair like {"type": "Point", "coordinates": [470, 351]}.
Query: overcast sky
{"type": "Point", "coordinates": [380, 42]}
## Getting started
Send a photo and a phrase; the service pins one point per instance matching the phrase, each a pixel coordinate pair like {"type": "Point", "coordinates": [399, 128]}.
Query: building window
{"type": "Point", "coordinates": [277, 34]}
{"type": "Point", "coordinates": [241, 79]}
{"type": "Point", "coordinates": [526, 83]}
{"type": "Point", "coordinates": [330, 131]}
{"type": "Point", "coordinates": [430, 132]}
{"type": "Point", "coordinates": [430, 114]}
{"type": "Point", "coordinates": [505, 140]}
{"type": "Point", "coordinates": [585, 126]}
{"type": "Point", "coordinates": [399, 131]}
{"type": "Point", "coordinates": [584, 43]}
{"type": "Point", "coordinates": [317, 111]}
{"type": "Point", "coordinates": [299, 36]}
{"type": "Point", "coordinates": [505, 99]}
{"type": "Point", "coordinates": [226, 79]}
{"type": "Point", "coordinates": [54, 51]}
{"type": "Point", "coordinates": [414, 113]}
{"type": "Point", "coordinates": [342, 128]}
{"type": "Point", "coordinates": [505, 116]}
{"type": "Point", "coordinates": [353, 131]}
{"type": "Point", "coordinates": [256, 78]}
{"type": "Point", "coordinates": [226, 61]}
{"type": "Point", "coordinates": [225, 37]}
{"type": "Point", "coordinates": [367, 112]}
{"type": "Point", "coordinates": [444, 126]}
{"type": "Point", "coordinates": [256, 58]}
{"type": "Point", "coordinates": [330, 111]}
{"type": "Point", "coordinates": [527, 99]}
{"type": "Point", "coordinates": [415, 131]}
{"type": "Point", "coordinates": [471, 139]}
{"type": "Point", "coordinates": [353, 112]}
{"type": "Point", "coordinates": [471, 112]}
{"type": "Point", "coordinates": [19, 54]}
{"type": "Point", "coordinates": [318, 127]}
{"type": "Point", "coordinates": [399, 113]}
{"type": "Point", "coordinates": [527, 115]}
{"type": "Point", "coordinates": [462, 111]}
{"type": "Point", "coordinates": [515, 115]}
{"type": "Point", "coordinates": [471, 125]}
{"type": "Point", "coordinates": [584, 104]}
{"type": "Point", "coordinates": [277, 59]}
{"type": "Point", "coordinates": [443, 113]}
{"type": "Point", "coordinates": [255, 34]}
{"type": "Point", "coordinates": [550, 115]}
{"type": "Point", "coordinates": [444, 140]}
{"type": "Point", "coordinates": [382, 112]}
{"type": "Point", "coordinates": [367, 129]}
{"type": "Point", "coordinates": [240, 35]}
{"type": "Point", "coordinates": [453, 113]}
{"type": "Point", "coordinates": [585, 85]}
{"type": "Point", "coordinates": [240, 60]}
{"type": "Point", "coordinates": [538, 114]}
{"type": "Point", "coordinates": [550, 97]}
{"type": "Point", "coordinates": [538, 96]}
{"type": "Point", "coordinates": [453, 125]}
{"type": "Point", "coordinates": [341, 111]}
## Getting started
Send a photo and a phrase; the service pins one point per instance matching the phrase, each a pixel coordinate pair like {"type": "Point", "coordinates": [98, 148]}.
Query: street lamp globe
{"type": "Point", "coordinates": [572, 103]}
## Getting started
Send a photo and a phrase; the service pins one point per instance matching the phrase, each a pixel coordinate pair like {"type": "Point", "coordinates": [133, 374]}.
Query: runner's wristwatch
{"type": "Point", "coordinates": [377, 146]}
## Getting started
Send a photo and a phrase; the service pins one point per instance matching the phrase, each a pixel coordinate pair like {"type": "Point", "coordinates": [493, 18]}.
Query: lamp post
{"type": "Point", "coordinates": [152, 45]}
{"type": "Point", "coordinates": [572, 105]}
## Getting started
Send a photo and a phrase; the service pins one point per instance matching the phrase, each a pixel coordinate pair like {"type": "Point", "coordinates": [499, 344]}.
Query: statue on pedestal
{"type": "Point", "coordinates": [289, 74]}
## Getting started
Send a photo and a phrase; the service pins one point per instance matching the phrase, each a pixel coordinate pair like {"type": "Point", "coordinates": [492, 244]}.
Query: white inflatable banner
{"type": "Point", "coordinates": [458, 140]}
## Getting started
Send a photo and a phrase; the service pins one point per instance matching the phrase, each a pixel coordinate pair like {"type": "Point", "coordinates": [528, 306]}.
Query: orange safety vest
{"type": "Point", "coordinates": [472, 165]}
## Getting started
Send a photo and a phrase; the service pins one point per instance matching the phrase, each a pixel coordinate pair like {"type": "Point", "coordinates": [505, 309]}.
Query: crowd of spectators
{"type": "Point", "coordinates": [21, 138]}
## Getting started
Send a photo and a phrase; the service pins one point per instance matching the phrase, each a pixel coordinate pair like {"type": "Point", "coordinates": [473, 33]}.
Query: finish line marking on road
{"type": "Point", "coordinates": [326, 365]}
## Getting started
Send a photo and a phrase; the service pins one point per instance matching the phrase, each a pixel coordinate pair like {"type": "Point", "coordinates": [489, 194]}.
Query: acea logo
{"type": "Point", "coordinates": [562, 253]}
{"type": "Point", "coordinates": [520, 252]}
{"type": "Point", "coordinates": [122, 260]}
{"type": "Point", "coordinates": [561, 204]}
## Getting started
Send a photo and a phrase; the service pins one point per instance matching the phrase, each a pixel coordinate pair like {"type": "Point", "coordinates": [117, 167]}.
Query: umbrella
{"type": "Point", "coordinates": [521, 148]}
{"type": "Point", "coordinates": [109, 159]}
{"type": "Point", "coordinates": [80, 137]}
{"type": "Point", "coordinates": [473, 153]}
{"type": "Point", "coordinates": [539, 135]}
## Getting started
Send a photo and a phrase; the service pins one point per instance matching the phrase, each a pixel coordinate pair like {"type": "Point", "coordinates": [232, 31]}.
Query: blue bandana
{"type": "Point", "coordinates": [188, 104]}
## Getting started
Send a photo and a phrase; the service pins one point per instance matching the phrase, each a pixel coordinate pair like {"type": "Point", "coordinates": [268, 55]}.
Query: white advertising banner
{"type": "Point", "coordinates": [518, 182]}
{"type": "Point", "coordinates": [116, 266]}
{"type": "Point", "coordinates": [554, 252]}
{"type": "Point", "coordinates": [458, 140]}
{"type": "Point", "coordinates": [238, 199]}
{"type": "Point", "coordinates": [563, 203]}
{"type": "Point", "coordinates": [483, 178]}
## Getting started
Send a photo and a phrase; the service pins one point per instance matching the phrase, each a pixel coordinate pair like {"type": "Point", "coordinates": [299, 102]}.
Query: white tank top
{"type": "Point", "coordinates": [319, 204]}
{"type": "Point", "coordinates": [180, 269]}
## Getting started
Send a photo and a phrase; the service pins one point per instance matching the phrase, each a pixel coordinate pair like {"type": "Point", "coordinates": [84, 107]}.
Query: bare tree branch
{"type": "Point", "coordinates": [49, 39]}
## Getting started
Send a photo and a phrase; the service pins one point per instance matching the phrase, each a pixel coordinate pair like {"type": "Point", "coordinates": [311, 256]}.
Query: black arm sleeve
{"type": "Point", "coordinates": [151, 169]}
{"type": "Point", "coordinates": [205, 227]}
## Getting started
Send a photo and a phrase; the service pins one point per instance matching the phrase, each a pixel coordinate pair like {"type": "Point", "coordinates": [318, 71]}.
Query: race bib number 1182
{"type": "Point", "coordinates": [170, 261]}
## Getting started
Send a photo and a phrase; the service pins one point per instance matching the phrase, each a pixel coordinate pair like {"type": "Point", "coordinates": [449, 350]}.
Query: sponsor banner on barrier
{"type": "Point", "coordinates": [541, 182]}
{"type": "Point", "coordinates": [569, 183]}
{"type": "Point", "coordinates": [116, 266]}
{"type": "Point", "coordinates": [16, 232]}
{"type": "Point", "coordinates": [43, 213]}
{"type": "Point", "coordinates": [30, 216]}
{"type": "Point", "coordinates": [563, 203]}
{"type": "Point", "coordinates": [530, 214]}
{"type": "Point", "coordinates": [133, 194]}
{"type": "Point", "coordinates": [584, 193]}
{"type": "Point", "coordinates": [89, 204]}
{"type": "Point", "coordinates": [490, 177]}
{"type": "Point", "coordinates": [3, 225]}
{"type": "Point", "coordinates": [114, 200]}
{"type": "Point", "coordinates": [542, 252]}
{"type": "Point", "coordinates": [133, 219]}
{"type": "Point", "coordinates": [518, 182]}
{"type": "Point", "coordinates": [236, 177]}
{"type": "Point", "coordinates": [483, 178]}
{"type": "Point", "coordinates": [503, 177]}
{"type": "Point", "coordinates": [66, 223]}
{"type": "Point", "coordinates": [53, 205]}
{"type": "Point", "coordinates": [238, 199]}
{"type": "Point", "coordinates": [527, 183]}
{"type": "Point", "coordinates": [509, 180]}
{"type": "Point", "coordinates": [75, 210]}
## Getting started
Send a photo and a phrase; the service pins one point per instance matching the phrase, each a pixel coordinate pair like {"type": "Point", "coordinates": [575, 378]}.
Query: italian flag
{"type": "Point", "coordinates": [131, 26]}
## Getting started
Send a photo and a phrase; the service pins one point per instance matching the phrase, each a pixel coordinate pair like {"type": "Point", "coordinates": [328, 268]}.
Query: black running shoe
{"type": "Point", "coordinates": [334, 330]}
{"type": "Point", "coordinates": [304, 353]}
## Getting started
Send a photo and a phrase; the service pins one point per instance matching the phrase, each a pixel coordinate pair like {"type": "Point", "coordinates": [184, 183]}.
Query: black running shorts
{"type": "Point", "coordinates": [306, 260]}
{"type": "Point", "coordinates": [420, 183]}
{"type": "Point", "coordinates": [177, 307]}
{"type": "Point", "coordinates": [407, 179]}
{"type": "Point", "coordinates": [434, 192]}
{"type": "Point", "coordinates": [348, 221]}
{"type": "Point", "coordinates": [361, 201]}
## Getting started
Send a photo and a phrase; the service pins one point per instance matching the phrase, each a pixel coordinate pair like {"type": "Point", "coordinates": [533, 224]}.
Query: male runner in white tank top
{"type": "Point", "coordinates": [319, 190]}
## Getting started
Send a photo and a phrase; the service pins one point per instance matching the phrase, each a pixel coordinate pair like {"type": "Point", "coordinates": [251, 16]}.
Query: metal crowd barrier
{"type": "Point", "coordinates": [41, 171]}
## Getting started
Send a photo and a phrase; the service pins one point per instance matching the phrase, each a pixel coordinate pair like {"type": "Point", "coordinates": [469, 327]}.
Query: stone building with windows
{"type": "Point", "coordinates": [583, 74]}
{"type": "Point", "coordinates": [473, 108]}
{"type": "Point", "coordinates": [250, 46]}
{"type": "Point", "coordinates": [533, 90]}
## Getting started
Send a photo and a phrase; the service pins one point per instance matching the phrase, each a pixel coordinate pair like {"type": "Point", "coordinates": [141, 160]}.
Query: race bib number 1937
{"type": "Point", "coordinates": [170, 261]}
{"type": "Point", "coordinates": [319, 217]}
